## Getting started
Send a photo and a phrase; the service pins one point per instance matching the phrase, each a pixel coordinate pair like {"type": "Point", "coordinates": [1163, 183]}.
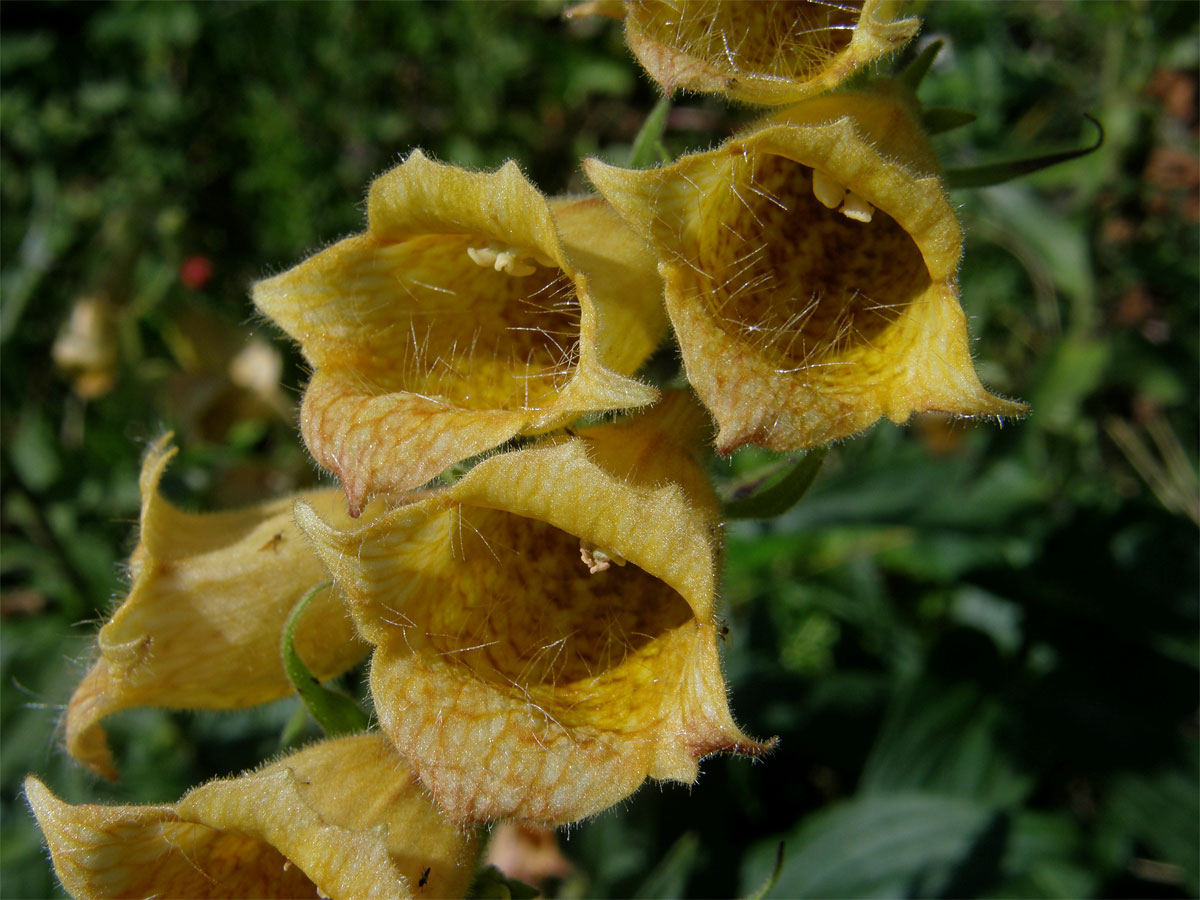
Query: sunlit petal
{"type": "Point", "coordinates": [519, 678]}
{"type": "Point", "coordinates": [341, 819]}
{"type": "Point", "coordinates": [202, 623]}
{"type": "Point", "coordinates": [759, 51]}
{"type": "Point", "coordinates": [471, 311]}
{"type": "Point", "coordinates": [810, 273]}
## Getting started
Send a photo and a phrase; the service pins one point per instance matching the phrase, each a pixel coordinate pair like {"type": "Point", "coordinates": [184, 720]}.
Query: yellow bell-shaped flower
{"type": "Point", "coordinates": [472, 310]}
{"type": "Point", "coordinates": [810, 270]}
{"type": "Point", "coordinates": [343, 819]}
{"type": "Point", "coordinates": [201, 625]}
{"type": "Point", "coordinates": [544, 630]}
{"type": "Point", "coordinates": [769, 52]}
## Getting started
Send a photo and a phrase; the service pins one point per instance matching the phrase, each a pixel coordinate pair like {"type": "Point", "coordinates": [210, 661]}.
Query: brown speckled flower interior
{"type": "Point", "coordinates": [457, 331]}
{"type": "Point", "coordinates": [513, 602]}
{"type": "Point", "coordinates": [794, 280]}
{"type": "Point", "coordinates": [784, 40]}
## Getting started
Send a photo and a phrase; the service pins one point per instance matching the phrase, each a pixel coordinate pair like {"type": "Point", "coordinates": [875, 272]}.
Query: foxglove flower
{"type": "Point", "coordinates": [810, 273]}
{"type": "Point", "coordinates": [768, 52]}
{"type": "Point", "coordinates": [201, 625]}
{"type": "Point", "coordinates": [471, 311]}
{"type": "Point", "coordinates": [544, 631]}
{"type": "Point", "coordinates": [342, 819]}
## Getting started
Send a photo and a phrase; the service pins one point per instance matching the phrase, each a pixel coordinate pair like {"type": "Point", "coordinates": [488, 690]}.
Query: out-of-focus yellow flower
{"type": "Point", "coordinates": [544, 627]}
{"type": "Point", "coordinates": [758, 51]}
{"type": "Point", "coordinates": [86, 347]}
{"type": "Point", "coordinates": [810, 273]}
{"type": "Point", "coordinates": [472, 310]}
{"type": "Point", "coordinates": [202, 623]}
{"type": "Point", "coordinates": [341, 819]}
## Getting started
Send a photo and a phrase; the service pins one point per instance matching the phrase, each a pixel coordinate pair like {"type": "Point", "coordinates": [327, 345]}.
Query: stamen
{"type": "Point", "coordinates": [598, 559]}
{"type": "Point", "coordinates": [482, 256]}
{"type": "Point", "coordinates": [857, 208]}
{"type": "Point", "coordinates": [514, 261]}
{"type": "Point", "coordinates": [509, 261]}
{"type": "Point", "coordinates": [826, 190]}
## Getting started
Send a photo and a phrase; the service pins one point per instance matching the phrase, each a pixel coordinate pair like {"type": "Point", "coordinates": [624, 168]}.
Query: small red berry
{"type": "Point", "coordinates": [195, 271]}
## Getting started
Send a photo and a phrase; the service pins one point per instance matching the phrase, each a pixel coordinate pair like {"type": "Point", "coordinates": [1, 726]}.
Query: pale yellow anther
{"type": "Point", "coordinates": [510, 260]}
{"type": "Point", "coordinates": [482, 256]}
{"type": "Point", "coordinates": [598, 559]}
{"type": "Point", "coordinates": [829, 192]}
{"type": "Point", "coordinates": [857, 208]}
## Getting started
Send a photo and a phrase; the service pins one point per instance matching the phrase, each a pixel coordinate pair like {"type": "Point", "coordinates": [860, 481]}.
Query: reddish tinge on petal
{"type": "Point", "coordinates": [810, 273]}
{"type": "Point", "coordinates": [201, 625]}
{"type": "Point", "coordinates": [471, 311]}
{"type": "Point", "coordinates": [341, 819]}
{"type": "Point", "coordinates": [544, 628]}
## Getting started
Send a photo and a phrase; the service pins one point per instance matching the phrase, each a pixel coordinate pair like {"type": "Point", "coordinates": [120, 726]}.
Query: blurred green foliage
{"type": "Point", "coordinates": [978, 645]}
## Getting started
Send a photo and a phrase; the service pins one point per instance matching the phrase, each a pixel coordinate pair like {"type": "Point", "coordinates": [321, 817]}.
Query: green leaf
{"type": "Point", "coordinates": [492, 884]}
{"type": "Point", "coordinates": [914, 73]}
{"type": "Point", "coordinates": [943, 739]}
{"type": "Point", "coordinates": [991, 174]}
{"type": "Point", "coordinates": [34, 450]}
{"type": "Point", "coordinates": [1044, 858]}
{"type": "Point", "coordinates": [670, 877]}
{"type": "Point", "coordinates": [893, 845]}
{"type": "Point", "coordinates": [1071, 373]}
{"type": "Point", "coordinates": [1161, 810]}
{"type": "Point", "coordinates": [294, 728]}
{"type": "Point", "coordinates": [771, 880]}
{"type": "Point", "coordinates": [647, 146]}
{"type": "Point", "coordinates": [754, 501]}
{"type": "Point", "coordinates": [334, 712]}
{"type": "Point", "coordinates": [940, 119]}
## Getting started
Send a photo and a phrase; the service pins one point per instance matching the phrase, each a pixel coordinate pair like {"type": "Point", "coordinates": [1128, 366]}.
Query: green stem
{"type": "Point", "coordinates": [334, 712]}
{"type": "Point", "coordinates": [647, 146]}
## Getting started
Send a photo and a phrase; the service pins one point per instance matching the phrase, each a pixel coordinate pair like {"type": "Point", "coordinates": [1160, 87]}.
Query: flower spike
{"type": "Point", "coordinates": [810, 273]}
{"type": "Point", "coordinates": [471, 311]}
{"type": "Point", "coordinates": [520, 678]}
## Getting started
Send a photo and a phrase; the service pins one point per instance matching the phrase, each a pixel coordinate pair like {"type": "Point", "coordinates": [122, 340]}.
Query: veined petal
{"type": "Point", "coordinates": [341, 819]}
{"type": "Point", "coordinates": [810, 274]}
{"type": "Point", "coordinates": [202, 623]}
{"type": "Point", "coordinates": [761, 51]}
{"type": "Point", "coordinates": [471, 311]}
{"type": "Point", "coordinates": [544, 628]}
